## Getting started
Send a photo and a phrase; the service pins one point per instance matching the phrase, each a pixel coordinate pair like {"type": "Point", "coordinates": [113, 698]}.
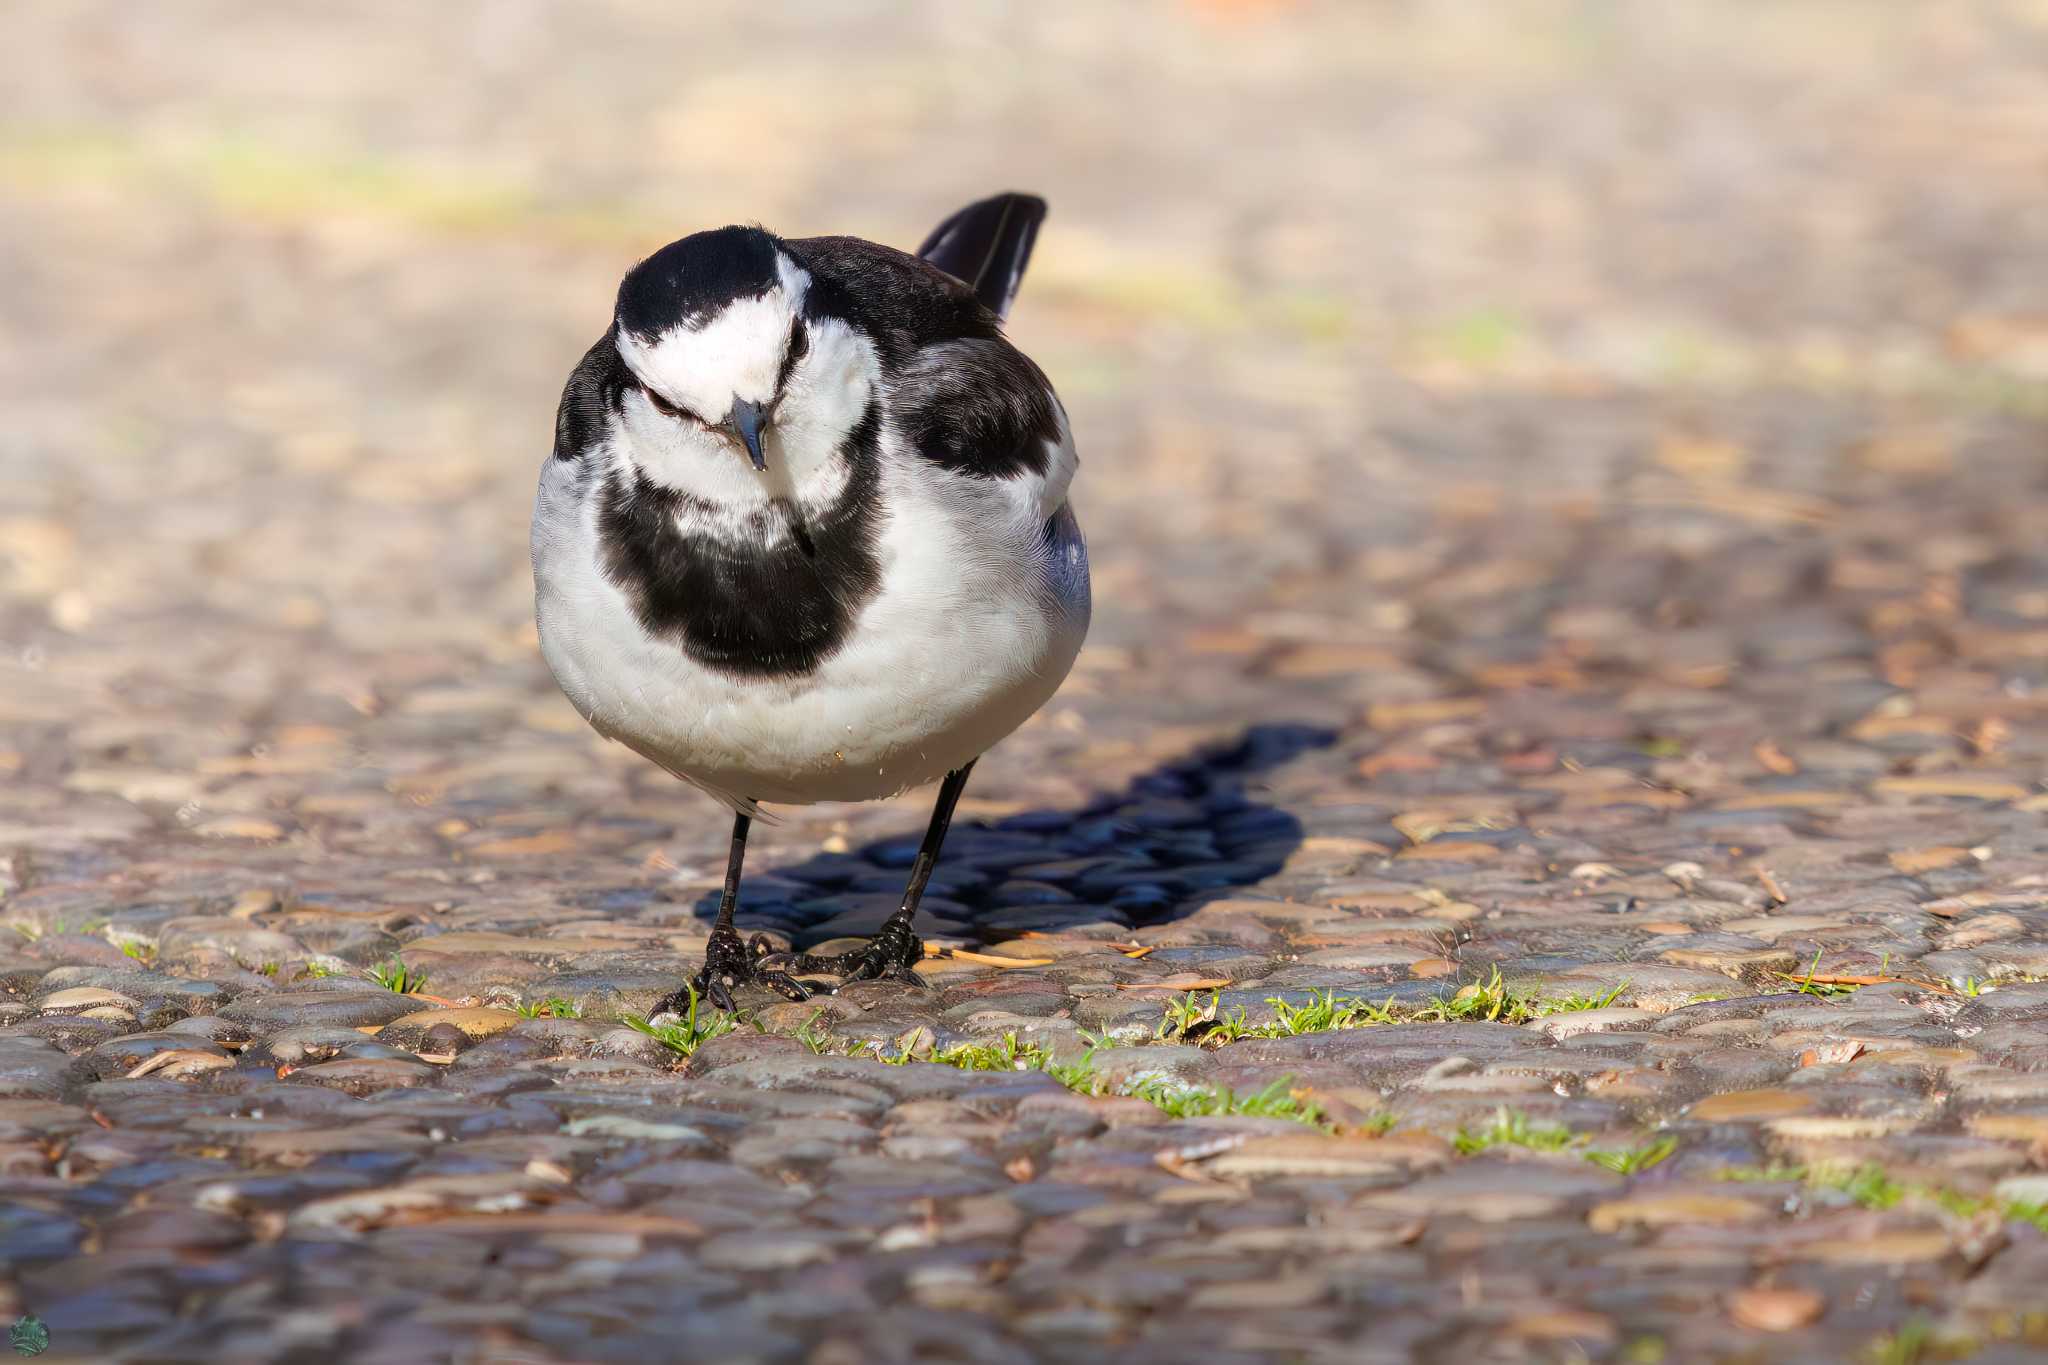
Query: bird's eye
{"type": "Point", "coordinates": [662, 405]}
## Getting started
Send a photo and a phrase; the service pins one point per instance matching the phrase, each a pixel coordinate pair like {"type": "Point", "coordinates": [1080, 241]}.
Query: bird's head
{"type": "Point", "coordinates": [731, 357]}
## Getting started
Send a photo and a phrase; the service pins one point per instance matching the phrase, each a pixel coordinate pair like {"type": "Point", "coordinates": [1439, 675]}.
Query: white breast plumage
{"type": "Point", "coordinates": [978, 619]}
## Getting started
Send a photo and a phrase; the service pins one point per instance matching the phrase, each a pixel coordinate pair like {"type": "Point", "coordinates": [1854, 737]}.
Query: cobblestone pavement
{"type": "Point", "coordinates": [1543, 858]}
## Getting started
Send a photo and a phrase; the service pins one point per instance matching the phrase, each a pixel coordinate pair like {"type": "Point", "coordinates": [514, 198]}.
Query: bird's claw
{"type": "Point", "coordinates": [730, 961]}
{"type": "Point", "coordinates": [891, 955]}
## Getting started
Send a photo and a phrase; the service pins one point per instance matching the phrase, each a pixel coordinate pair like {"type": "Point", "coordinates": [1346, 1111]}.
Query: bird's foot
{"type": "Point", "coordinates": [729, 962]}
{"type": "Point", "coordinates": [891, 955]}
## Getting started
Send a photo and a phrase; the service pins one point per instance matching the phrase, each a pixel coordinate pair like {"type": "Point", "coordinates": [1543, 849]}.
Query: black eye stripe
{"type": "Point", "coordinates": [799, 345]}
{"type": "Point", "coordinates": [663, 406]}
{"type": "Point", "coordinates": [795, 349]}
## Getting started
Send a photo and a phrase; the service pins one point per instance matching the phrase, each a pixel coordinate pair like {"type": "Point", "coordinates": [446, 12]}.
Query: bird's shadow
{"type": "Point", "coordinates": [1190, 831]}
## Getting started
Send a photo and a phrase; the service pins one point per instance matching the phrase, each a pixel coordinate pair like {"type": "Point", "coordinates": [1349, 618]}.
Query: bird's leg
{"type": "Point", "coordinates": [729, 961]}
{"type": "Point", "coordinates": [896, 949]}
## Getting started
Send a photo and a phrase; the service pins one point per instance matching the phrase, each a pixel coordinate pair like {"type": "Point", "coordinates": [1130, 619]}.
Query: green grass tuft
{"type": "Point", "coordinates": [1189, 1019]}
{"type": "Point", "coordinates": [2025, 1211]}
{"type": "Point", "coordinates": [1636, 1159]}
{"type": "Point", "coordinates": [1910, 1345]}
{"type": "Point", "coordinates": [1183, 1100]}
{"type": "Point", "coordinates": [1005, 1054]}
{"type": "Point", "coordinates": [396, 976]}
{"type": "Point", "coordinates": [1078, 1077]}
{"type": "Point", "coordinates": [554, 1007]}
{"type": "Point", "coordinates": [1806, 985]}
{"type": "Point", "coordinates": [1325, 1012]}
{"type": "Point", "coordinates": [813, 1037]}
{"type": "Point", "coordinates": [1511, 1128]}
{"type": "Point", "coordinates": [1762, 1175]}
{"type": "Point", "coordinates": [1870, 1186]}
{"type": "Point", "coordinates": [690, 1032]}
{"type": "Point", "coordinates": [1578, 1002]}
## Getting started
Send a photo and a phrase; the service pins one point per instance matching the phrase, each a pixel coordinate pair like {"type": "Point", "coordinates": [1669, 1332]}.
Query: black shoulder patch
{"type": "Point", "coordinates": [593, 390]}
{"type": "Point", "coordinates": [697, 275]}
{"type": "Point", "coordinates": [899, 301]}
{"type": "Point", "coordinates": [768, 599]}
{"type": "Point", "coordinates": [964, 397]}
{"type": "Point", "coordinates": [979, 408]}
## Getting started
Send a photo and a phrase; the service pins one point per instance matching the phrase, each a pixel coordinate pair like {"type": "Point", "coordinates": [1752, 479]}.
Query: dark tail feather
{"type": "Point", "coordinates": [987, 245]}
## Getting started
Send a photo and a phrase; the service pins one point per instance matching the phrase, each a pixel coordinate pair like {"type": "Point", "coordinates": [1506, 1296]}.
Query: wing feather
{"type": "Point", "coordinates": [987, 245]}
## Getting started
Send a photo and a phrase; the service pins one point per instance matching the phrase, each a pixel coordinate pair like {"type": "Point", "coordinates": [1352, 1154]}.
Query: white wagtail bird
{"type": "Point", "coordinates": [805, 535]}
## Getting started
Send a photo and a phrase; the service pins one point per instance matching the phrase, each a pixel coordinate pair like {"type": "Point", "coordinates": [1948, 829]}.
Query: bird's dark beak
{"type": "Point", "coordinates": [745, 421]}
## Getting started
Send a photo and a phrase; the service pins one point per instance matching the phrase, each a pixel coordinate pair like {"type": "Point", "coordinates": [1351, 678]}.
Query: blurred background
{"type": "Point", "coordinates": [1412, 345]}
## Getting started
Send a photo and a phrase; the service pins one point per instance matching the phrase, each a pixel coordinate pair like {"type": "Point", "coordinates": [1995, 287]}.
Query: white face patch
{"type": "Point", "coordinates": [738, 352]}
{"type": "Point", "coordinates": [702, 365]}
{"type": "Point", "coordinates": [825, 398]}
{"type": "Point", "coordinates": [679, 453]}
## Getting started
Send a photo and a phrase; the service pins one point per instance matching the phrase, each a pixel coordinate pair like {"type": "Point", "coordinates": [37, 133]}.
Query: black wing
{"type": "Point", "coordinates": [901, 302]}
{"type": "Point", "coordinates": [963, 396]}
{"type": "Point", "coordinates": [987, 245]}
{"type": "Point", "coordinates": [593, 389]}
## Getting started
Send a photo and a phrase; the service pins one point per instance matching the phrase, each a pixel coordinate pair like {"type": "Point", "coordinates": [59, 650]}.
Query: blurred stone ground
{"type": "Point", "coordinates": [1566, 483]}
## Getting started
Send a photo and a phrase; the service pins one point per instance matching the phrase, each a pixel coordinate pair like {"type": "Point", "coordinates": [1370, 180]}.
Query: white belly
{"type": "Point", "coordinates": [976, 624]}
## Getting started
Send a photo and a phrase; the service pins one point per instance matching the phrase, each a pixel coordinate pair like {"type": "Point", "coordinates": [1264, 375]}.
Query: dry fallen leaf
{"type": "Point", "coordinates": [1775, 1310]}
{"type": "Point", "coordinates": [1420, 826]}
{"type": "Point", "coordinates": [1175, 1163]}
{"type": "Point", "coordinates": [1401, 715]}
{"type": "Point", "coordinates": [1987, 736]}
{"type": "Point", "coordinates": [181, 1062]}
{"type": "Point", "coordinates": [1913, 861]}
{"type": "Point", "coordinates": [1836, 979]}
{"type": "Point", "coordinates": [986, 959]}
{"type": "Point", "coordinates": [252, 903]}
{"type": "Point", "coordinates": [1773, 758]}
{"type": "Point", "coordinates": [1744, 502]}
{"type": "Point", "coordinates": [1950, 784]}
{"type": "Point", "coordinates": [1392, 762]}
{"type": "Point", "coordinates": [1831, 1053]}
{"type": "Point", "coordinates": [1693, 455]}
